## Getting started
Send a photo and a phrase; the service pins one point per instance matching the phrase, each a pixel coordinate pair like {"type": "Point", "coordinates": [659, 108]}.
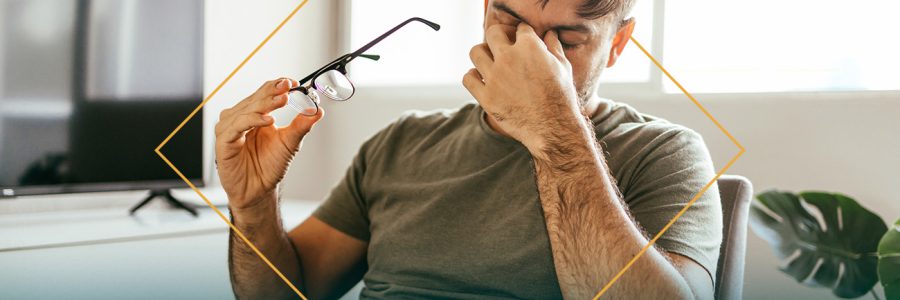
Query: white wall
{"type": "Point", "coordinates": [835, 142]}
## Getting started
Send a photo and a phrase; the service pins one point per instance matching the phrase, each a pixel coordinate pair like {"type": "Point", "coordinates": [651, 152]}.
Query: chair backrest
{"type": "Point", "coordinates": [736, 193]}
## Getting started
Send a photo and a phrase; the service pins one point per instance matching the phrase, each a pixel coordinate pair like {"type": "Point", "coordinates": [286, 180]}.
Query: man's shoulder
{"type": "Point", "coordinates": [414, 125]}
{"type": "Point", "coordinates": [629, 135]}
{"type": "Point", "coordinates": [622, 119]}
{"type": "Point", "coordinates": [427, 120]}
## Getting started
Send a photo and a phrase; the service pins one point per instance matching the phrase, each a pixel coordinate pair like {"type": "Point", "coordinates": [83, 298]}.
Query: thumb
{"type": "Point", "coordinates": [301, 125]}
{"type": "Point", "coordinates": [551, 39]}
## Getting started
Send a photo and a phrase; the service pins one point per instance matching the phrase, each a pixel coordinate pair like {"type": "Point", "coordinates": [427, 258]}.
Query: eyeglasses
{"type": "Point", "coordinates": [331, 80]}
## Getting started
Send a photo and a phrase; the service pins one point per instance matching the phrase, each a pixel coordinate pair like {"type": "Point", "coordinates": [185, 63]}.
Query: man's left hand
{"type": "Point", "coordinates": [524, 84]}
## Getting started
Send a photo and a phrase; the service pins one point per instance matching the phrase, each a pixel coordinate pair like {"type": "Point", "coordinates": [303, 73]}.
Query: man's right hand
{"type": "Point", "coordinates": [252, 155]}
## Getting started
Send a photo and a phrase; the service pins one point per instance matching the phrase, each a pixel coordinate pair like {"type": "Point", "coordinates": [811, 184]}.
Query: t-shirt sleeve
{"type": "Point", "coordinates": [669, 176]}
{"type": "Point", "coordinates": [345, 208]}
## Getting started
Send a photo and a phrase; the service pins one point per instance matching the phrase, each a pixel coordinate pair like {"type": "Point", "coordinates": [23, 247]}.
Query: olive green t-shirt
{"type": "Point", "coordinates": [450, 208]}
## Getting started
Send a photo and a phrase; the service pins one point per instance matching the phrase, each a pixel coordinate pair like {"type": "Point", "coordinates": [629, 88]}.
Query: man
{"type": "Point", "coordinates": [541, 190]}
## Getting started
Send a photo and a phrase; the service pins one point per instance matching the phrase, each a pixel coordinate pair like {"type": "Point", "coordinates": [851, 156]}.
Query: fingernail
{"type": "Point", "coordinates": [280, 84]}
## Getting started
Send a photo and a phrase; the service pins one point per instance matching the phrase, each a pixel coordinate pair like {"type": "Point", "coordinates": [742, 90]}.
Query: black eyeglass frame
{"type": "Point", "coordinates": [340, 64]}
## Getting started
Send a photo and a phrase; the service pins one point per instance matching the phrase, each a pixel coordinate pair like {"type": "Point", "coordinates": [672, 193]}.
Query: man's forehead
{"type": "Point", "coordinates": [554, 14]}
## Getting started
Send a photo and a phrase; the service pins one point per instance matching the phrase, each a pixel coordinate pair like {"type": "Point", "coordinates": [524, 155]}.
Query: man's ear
{"type": "Point", "coordinates": [620, 40]}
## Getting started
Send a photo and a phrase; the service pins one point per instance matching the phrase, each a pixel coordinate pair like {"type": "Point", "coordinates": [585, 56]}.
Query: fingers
{"type": "Point", "coordinates": [293, 134]}
{"type": "Point", "coordinates": [274, 96]}
{"type": "Point", "coordinates": [275, 87]}
{"type": "Point", "coordinates": [525, 32]}
{"type": "Point", "coordinates": [266, 105]}
{"type": "Point", "coordinates": [239, 125]}
{"type": "Point", "coordinates": [252, 112]}
{"type": "Point", "coordinates": [474, 83]}
{"type": "Point", "coordinates": [482, 58]}
{"type": "Point", "coordinates": [551, 39]}
{"type": "Point", "coordinates": [266, 91]}
{"type": "Point", "coordinates": [499, 36]}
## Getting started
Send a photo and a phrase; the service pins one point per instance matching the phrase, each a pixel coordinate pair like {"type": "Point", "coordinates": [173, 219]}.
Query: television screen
{"type": "Point", "coordinates": [89, 88]}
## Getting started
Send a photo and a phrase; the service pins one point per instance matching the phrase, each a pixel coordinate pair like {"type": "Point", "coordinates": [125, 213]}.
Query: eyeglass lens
{"type": "Point", "coordinates": [333, 84]}
{"type": "Point", "coordinates": [307, 104]}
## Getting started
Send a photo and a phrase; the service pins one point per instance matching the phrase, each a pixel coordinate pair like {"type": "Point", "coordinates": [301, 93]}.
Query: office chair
{"type": "Point", "coordinates": [736, 193]}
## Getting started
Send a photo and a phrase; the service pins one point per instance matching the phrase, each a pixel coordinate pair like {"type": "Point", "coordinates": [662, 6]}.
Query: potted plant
{"type": "Point", "coordinates": [829, 240]}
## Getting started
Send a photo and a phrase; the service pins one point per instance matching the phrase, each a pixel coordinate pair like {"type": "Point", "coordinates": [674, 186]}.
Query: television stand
{"type": "Point", "coordinates": [167, 195]}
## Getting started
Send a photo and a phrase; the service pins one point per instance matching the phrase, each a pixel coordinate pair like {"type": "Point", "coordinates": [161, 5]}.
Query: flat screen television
{"type": "Point", "coordinates": [89, 88]}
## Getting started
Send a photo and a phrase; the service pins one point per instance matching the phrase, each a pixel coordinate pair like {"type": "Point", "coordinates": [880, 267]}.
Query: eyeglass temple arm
{"type": "Point", "coordinates": [362, 49]}
{"type": "Point", "coordinates": [374, 57]}
{"type": "Point", "coordinates": [359, 52]}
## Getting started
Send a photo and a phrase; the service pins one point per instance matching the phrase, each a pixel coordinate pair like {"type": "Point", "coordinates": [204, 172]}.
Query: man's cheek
{"type": "Point", "coordinates": [579, 66]}
{"type": "Point", "coordinates": [584, 75]}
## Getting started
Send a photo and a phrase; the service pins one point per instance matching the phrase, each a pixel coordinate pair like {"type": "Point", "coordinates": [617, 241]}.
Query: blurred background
{"type": "Point", "coordinates": [808, 87]}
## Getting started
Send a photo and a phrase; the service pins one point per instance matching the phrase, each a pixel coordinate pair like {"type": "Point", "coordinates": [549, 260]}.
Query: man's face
{"type": "Point", "coordinates": [587, 43]}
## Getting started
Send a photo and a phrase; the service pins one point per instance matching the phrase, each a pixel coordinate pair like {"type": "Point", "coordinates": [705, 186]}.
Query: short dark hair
{"type": "Point", "coordinates": [595, 9]}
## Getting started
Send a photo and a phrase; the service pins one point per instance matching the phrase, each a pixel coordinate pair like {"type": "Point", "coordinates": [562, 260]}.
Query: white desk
{"type": "Point", "coordinates": [106, 254]}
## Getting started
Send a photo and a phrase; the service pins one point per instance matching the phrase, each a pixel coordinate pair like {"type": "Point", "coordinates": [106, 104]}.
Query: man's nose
{"type": "Point", "coordinates": [539, 30]}
{"type": "Point", "coordinates": [511, 31]}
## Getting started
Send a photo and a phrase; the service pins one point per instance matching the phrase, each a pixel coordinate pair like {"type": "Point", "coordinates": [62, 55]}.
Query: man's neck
{"type": "Point", "coordinates": [590, 109]}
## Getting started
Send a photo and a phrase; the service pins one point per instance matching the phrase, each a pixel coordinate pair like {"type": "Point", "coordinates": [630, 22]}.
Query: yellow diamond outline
{"type": "Point", "coordinates": [297, 291]}
{"type": "Point", "coordinates": [191, 115]}
{"type": "Point", "coordinates": [705, 187]}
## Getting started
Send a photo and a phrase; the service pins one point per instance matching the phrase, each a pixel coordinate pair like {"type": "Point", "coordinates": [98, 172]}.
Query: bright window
{"type": "Point", "coordinates": [715, 46]}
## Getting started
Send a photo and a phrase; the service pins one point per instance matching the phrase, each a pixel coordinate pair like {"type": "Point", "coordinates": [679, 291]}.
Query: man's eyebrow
{"type": "Point", "coordinates": [579, 27]}
{"type": "Point", "coordinates": [506, 9]}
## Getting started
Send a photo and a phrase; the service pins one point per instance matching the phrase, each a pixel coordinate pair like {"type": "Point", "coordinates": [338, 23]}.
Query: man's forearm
{"type": "Point", "coordinates": [251, 277]}
{"type": "Point", "coordinates": [592, 236]}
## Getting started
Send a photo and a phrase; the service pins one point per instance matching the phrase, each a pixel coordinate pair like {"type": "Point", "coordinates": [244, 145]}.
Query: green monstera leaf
{"type": "Point", "coordinates": [822, 239]}
{"type": "Point", "coordinates": [889, 262]}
